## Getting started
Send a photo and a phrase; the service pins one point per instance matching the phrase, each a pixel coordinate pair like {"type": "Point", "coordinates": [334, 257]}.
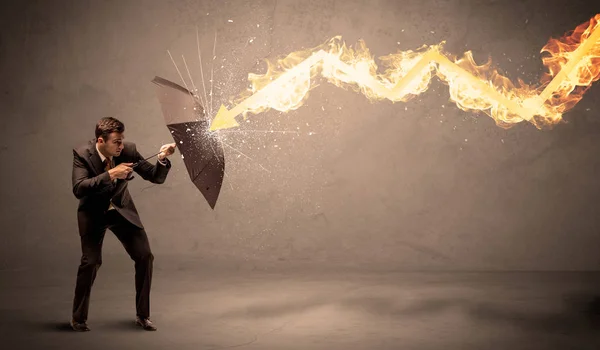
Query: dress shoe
{"type": "Point", "coordinates": [145, 323]}
{"type": "Point", "coordinates": [79, 326]}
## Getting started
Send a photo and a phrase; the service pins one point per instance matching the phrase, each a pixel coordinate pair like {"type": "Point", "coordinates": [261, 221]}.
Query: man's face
{"type": "Point", "coordinates": [112, 146]}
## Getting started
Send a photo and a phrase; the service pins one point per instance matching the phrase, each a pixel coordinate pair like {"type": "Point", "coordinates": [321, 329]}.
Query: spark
{"type": "Point", "coordinates": [181, 76]}
{"type": "Point", "coordinates": [264, 131]}
{"type": "Point", "coordinates": [190, 76]}
{"type": "Point", "coordinates": [213, 150]}
{"type": "Point", "coordinates": [211, 74]}
{"type": "Point", "coordinates": [265, 169]}
{"type": "Point", "coordinates": [242, 153]}
{"type": "Point", "coordinates": [227, 176]}
{"type": "Point", "coordinates": [200, 62]}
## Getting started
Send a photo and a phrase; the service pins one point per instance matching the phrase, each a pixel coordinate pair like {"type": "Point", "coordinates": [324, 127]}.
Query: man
{"type": "Point", "coordinates": [101, 170]}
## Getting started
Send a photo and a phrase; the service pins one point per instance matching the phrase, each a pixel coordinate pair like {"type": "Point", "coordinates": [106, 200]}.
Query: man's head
{"type": "Point", "coordinates": [109, 136]}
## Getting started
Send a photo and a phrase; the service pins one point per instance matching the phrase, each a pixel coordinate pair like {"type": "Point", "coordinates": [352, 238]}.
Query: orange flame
{"type": "Point", "coordinates": [573, 63]}
{"type": "Point", "coordinates": [563, 50]}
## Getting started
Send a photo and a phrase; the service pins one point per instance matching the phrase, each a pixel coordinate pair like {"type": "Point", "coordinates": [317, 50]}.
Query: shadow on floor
{"type": "Point", "coordinates": [52, 326]}
{"type": "Point", "coordinates": [576, 313]}
{"type": "Point", "coordinates": [34, 324]}
{"type": "Point", "coordinates": [41, 325]}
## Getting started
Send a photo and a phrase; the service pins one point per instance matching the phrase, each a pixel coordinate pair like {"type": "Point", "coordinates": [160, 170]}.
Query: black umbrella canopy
{"type": "Point", "coordinates": [201, 151]}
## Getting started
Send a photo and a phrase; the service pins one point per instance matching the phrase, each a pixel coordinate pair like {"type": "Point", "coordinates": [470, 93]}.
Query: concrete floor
{"type": "Point", "coordinates": [205, 308]}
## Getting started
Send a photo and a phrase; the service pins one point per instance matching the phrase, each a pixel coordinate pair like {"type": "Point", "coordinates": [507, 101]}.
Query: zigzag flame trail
{"type": "Point", "coordinates": [573, 63]}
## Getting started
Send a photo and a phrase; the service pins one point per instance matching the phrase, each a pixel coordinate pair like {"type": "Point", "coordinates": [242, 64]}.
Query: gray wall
{"type": "Point", "coordinates": [421, 185]}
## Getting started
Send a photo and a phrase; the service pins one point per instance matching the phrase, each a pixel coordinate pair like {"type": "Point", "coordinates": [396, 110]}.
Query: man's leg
{"type": "Point", "coordinates": [91, 259]}
{"type": "Point", "coordinates": [135, 241]}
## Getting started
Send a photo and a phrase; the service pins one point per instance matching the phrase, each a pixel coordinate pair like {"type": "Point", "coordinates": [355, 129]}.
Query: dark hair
{"type": "Point", "coordinates": [107, 126]}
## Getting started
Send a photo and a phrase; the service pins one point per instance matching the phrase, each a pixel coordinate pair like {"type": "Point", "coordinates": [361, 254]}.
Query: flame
{"type": "Point", "coordinates": [564, 50]}
{"type": "Point", "coordinates": [573, 63]}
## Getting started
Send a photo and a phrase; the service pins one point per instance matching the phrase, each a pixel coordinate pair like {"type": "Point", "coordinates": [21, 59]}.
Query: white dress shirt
{"type": "Point", "coordinates": [102, 158]}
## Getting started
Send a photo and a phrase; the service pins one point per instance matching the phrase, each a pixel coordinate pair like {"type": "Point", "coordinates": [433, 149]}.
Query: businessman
{"type": "Point", "coordinates": [101, 171]}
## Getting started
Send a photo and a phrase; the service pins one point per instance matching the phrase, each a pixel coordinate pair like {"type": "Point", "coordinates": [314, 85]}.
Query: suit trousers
{"type": "Point", "coordinates": [135, 241]}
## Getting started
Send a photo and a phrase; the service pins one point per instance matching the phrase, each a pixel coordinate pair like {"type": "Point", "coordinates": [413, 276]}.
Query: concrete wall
{"type": "Point", "coordinates": [418, 185]}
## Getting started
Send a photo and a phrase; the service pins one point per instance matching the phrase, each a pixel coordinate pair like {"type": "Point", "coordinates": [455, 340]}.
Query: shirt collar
{"type": "Point", "coordinates": [102, 157]}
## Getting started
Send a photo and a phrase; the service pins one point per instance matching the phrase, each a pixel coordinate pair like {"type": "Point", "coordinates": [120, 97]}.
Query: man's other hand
{"type": "Point", "coordinates": [121, 171]}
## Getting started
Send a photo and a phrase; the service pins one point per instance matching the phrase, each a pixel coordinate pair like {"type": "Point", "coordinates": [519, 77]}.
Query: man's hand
{"type": "Point", "coordinates": [121, 171]}
{"type": "Point", "coordinates": [166, 150]}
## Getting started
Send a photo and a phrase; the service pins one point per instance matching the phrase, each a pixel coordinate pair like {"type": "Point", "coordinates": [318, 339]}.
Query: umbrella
{"type": "Point", "coordinates": [201, 152]}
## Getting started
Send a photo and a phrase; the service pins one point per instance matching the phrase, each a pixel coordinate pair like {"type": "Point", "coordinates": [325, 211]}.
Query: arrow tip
{"type": "Point", "coordinates": [223, 120]}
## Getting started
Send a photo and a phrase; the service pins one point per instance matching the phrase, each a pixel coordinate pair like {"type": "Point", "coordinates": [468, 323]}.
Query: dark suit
{"type": "Point", "coordinates": [95, 191]}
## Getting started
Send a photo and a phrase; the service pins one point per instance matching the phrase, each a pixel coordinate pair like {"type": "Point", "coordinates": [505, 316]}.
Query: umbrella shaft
{"type": "Point", "coordinates": [152, 156]}
{"type": "Point", "coordinates": [138, 163]}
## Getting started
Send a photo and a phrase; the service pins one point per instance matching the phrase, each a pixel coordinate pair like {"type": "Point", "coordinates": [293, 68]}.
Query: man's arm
{"type": "Point", "coordinates": [83, 184]}
{"type": "Point", "coordinates": [155, 173]}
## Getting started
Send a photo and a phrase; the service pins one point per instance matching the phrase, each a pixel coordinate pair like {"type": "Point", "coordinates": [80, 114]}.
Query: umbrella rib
{"type": "Point", "coordinates": [200, 172]}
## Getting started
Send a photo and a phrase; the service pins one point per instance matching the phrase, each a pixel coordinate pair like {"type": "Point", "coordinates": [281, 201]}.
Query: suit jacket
{"type": "Point", "coordinates": [95, 191]}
